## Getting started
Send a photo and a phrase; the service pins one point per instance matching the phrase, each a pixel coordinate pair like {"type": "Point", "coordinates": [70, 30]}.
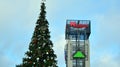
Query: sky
{"type": "Point", "coordinates": [18, 18]}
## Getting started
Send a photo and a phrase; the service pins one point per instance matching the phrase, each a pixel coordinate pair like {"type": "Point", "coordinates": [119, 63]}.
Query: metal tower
{"type": "Point", "coordinates": [77, 52]}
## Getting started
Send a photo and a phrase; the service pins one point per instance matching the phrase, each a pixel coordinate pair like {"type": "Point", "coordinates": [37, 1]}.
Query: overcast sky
{"type": "Point", "coordinates": [18, 18]}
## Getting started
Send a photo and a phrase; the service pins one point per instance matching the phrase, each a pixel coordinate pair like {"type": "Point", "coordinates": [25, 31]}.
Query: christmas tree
{"type": "Point", "coordinates": [40, 53]}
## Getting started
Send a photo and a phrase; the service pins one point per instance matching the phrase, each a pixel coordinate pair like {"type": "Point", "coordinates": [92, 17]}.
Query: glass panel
{"type": "Point", "coordinates": [74, 63]}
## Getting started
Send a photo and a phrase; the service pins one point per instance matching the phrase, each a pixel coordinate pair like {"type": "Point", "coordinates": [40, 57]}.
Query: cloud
{"type": "Point", "coordinates": [107, 29]}
{"type": "Point", "coordinates": [5, 60]}
{"type": "Point", "coordinates": [13, 34]}
{"type": "Point", "coordinates": [105, 60]}
{"type": "Point", "coordinates": [59, 44]}
{"type": "Point", "coordinates": [105, 38]}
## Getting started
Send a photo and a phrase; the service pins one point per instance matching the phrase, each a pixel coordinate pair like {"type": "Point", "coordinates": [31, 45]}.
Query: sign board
{"type": "Point", "coordinates": [79, 54]}
{"type": "Point", "coordinates": [73, 24]}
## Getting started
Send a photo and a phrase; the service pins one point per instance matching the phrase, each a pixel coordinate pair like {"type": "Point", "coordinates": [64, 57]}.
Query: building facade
{"type": "Point", "coordinates": [77, 50]}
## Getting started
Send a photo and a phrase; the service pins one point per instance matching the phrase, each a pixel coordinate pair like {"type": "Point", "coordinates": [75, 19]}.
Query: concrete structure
{"type": "Point", "coordinates": [77, 50]}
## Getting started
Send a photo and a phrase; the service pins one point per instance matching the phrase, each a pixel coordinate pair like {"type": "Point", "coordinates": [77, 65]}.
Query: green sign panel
{"type": "Point", "coordinates": [78, 54]}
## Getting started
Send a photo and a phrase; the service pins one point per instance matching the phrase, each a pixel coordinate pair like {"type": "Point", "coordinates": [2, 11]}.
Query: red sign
{"type": "Point", "coordinates": [73, 24]}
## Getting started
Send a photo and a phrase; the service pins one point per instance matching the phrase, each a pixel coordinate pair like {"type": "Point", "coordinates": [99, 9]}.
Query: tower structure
{"type": "Point", "coordinates": [77, 50]}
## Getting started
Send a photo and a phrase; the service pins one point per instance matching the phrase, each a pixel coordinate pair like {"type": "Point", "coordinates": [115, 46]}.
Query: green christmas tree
{"type": "Point", "coordinates": [40, 53]}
